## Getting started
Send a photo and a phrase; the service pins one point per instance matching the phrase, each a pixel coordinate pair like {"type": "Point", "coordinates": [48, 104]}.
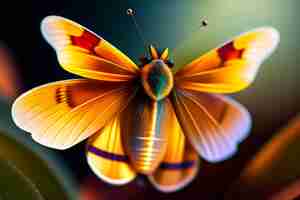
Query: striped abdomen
{"type": "Point", "coordinates": [145, 138]}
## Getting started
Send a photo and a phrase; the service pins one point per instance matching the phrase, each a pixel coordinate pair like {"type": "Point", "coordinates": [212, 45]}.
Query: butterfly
{"type": "Point", "coordinates": [143, 119]}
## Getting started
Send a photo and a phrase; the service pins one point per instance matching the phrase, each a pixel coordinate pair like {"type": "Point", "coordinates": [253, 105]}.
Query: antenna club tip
{"type": "Point", "coordinates": [130, 11]}
{"type": "Point", "coordinates": [204, 22]}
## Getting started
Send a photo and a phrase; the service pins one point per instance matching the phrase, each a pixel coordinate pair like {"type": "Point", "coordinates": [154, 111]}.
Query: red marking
{"type": "Point", "coordinates": [87, 41]}
{"type": "Point", "coordinates": [228, 52]}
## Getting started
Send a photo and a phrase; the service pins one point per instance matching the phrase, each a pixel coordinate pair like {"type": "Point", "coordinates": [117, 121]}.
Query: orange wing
{"type": "Point", "coordinates": [106, 157]}
{"type": "Point", "coordinates": [231, 67]}
{"type": "Point", "coordinates": [180, 164]}
{"type": "Point", "coordinates": [82, 52]}
{"type": "Point", "coordinates": [61, 114]}
{"type": "Point", "coordinates": [214, 124]}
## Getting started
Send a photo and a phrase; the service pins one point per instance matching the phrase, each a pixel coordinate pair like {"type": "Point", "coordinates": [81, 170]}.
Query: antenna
{"type": "Point", "coordinates": [130, 12]}
{"type": "Point", "coordinates": [182, 43]}
{"type": "Point", "coordinates": [204, 23]}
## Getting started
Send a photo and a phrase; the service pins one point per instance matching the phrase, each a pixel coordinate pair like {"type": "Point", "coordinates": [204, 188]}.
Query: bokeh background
{"type": "Point", "coordinates": [273, 99]}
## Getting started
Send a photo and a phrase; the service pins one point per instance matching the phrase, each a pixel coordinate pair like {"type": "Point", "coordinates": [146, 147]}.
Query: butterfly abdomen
{"type": "Point", "coordinates": [145, 142]}
{"type": "Point", "coordinates": [147, 151]}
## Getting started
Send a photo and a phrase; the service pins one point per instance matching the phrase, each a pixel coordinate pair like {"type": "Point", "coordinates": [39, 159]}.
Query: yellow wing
{"type": "Point", "coordinates": [61, 114]}
{"type": "Point", "coordinates": [145, 132]}
{"type": "Point", "coordinates": [106, 156]}
{"type": "Point", "coordinates": [82, 52]}
{"type": "Point", "coordinates": [180, 164]}
{"type": "Point", "coordinates": [214, 124]}
{"type": "Point", "coordinates": [231, 67]}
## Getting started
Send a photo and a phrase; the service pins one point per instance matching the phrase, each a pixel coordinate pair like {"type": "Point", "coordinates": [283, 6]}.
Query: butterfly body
{"type": "Point", "coordinates": [150, 118]}
{"type": "Point", "coordinates": [145, 136]}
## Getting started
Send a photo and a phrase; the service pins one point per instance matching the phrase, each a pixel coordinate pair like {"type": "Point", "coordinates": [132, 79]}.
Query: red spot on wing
{"type": "Point", "coordinates": [229, 52]}
{"type": "Point", "coordinates": [87, 41]}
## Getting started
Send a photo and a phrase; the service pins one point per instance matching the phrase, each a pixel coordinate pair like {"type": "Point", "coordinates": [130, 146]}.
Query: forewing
{"type": "Point", "coordinates": [231, 67]}
{"type": "Point", "coordinates": [82, 52]}
{"type": "Point", "coordinates": [61, 114]}
{"type": "Point", "coordinates": [106, 156]}
{"type": "Point", "coordinates": [214, 124]}
{"type": "Point", "coordinates": [180, 164]}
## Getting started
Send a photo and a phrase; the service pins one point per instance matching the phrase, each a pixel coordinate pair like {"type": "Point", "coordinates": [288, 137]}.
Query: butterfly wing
{"type": "Point", "coordinates": [106, 156]}
{"type": "Point", "coordinates": [231, 67]}
{"type": "Point", "coordinates": [180, 164]}
{"type": "Point", "coordinates": [82, 52]}
{"type": "Point", "coordinates": [61, 114]}
{"type": "Point", "coordinates": [214, 124]}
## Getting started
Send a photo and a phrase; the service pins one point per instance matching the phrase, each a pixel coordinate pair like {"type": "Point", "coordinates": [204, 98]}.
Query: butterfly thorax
{"type": "Point", "coordinates": [156, 75]}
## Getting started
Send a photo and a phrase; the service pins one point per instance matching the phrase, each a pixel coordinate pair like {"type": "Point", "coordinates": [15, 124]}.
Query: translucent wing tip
{"type": "Point", "coordinates": [45, 29]}
{"type": "Point", "coordinates": [46, 21]}
{"type": "Point", "coordinates": [244, 127]}
{"type": "Point", "coordinates": [50, 19]}
{"type": "Point", "coordinates": [272, 34]}
{"type": "Point", "coordinates": [215, 158]}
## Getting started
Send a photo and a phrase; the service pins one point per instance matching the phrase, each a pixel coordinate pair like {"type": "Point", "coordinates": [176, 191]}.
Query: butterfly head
{"type": "Point", "coordinates": [156, 74]}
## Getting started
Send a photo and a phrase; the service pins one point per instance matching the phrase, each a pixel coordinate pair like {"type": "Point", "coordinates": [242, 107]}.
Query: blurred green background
{"type": "Point", "coordinates": [272, 99]}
